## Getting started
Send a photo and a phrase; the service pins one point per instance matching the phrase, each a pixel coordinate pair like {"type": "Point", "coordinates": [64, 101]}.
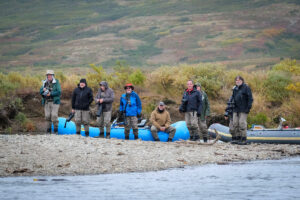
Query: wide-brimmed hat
{"type": "Point", "coordinates": [49, 72]}
{"type": "Point", "coordinates": [128, 85]}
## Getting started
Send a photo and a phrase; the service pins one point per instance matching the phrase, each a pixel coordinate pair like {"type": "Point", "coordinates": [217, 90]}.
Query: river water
{"type": "Point", "coordinates": [271, 179]}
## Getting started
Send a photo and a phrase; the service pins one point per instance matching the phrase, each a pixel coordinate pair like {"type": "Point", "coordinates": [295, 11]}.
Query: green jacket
{"type": "Point", "coordinates": [205, 106]}
{"type": "Point", "coordinates": [55, 93]}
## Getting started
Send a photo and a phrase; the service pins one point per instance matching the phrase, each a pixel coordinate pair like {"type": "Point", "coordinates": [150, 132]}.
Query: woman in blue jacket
{"type": "Point", "coordinates": [130, 109]}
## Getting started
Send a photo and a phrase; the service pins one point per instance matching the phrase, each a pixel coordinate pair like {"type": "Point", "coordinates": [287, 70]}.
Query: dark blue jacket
{"type": "Point", "coordinates": [133, 106]}
{"type": "Point", "coordinates": [243, 99]}
{"type": "Point", "coordinates": [191, 102]}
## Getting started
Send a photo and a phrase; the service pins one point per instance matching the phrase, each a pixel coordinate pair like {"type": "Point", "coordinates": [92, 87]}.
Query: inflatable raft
{"type": "Point", "coordinates": [117, 131]}
{"type": "Point", "coordinates": [259, 134]}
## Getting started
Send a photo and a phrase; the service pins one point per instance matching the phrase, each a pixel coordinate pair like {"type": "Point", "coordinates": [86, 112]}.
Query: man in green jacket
{"type": "Point", "coordinates": [205, 112]}
{"type": "Point", "coordinates": [51, 92]}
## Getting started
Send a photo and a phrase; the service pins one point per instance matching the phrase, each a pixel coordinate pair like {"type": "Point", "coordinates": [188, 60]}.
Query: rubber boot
{"type": "Point", "coordinates": [205, 139]}
{"type": "Point", "coordinates": [243, 141]}
{"type": "Point", "coordinates": [126, 134]}
{"type": "Point", "coordinates": [169, 140]}
{"type": "Point", "coordinates": [108, 135]}
{"type": "Point", "coordinates": [87, 134]}
{"type": "Point", "coordinates": [236, 140]}
{"type": "Point", "coordinates": [136, 134]}
{"type": "Point", "coordinates": [55, 130]}
{"type": "Point", "coordinates": [156, 139]}
{"type": "Point", "coordinates": [48, 130]}
{"type": "Point", "coordinates": [192, 135]}
{"type": "Point", "coordinates": [77, 132]}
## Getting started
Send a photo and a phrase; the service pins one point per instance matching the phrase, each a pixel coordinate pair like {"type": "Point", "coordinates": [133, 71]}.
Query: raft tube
{"type": "Point", "coordinates": [181, 133]}
{"type": "Point", "coordinates": [271, 136]}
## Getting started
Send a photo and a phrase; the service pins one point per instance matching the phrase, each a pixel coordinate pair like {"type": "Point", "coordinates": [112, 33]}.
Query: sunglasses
{"type": "Point", "coordinates": [128, 88]}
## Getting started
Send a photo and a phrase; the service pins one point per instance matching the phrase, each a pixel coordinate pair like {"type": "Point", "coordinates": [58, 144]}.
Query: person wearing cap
{"type": "Point", "coordinates": [104, 98]}
{"type": "Point", "coordinates": [82, 98]}
{"type": "Point", "coordinates": [51, 92]}
{"type": "Point", "coordinates": [161, 121]}
{"type": "Point", "coordinates": [191, 107]}
{"type": "Point", "coordinates": [243, 100]}
{"type": "Point", "coordinates": [205, 112]}
{"type": "Point", "coordinates": [130, 109]}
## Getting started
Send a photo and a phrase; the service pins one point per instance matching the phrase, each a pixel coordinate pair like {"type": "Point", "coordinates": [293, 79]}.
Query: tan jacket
{"type": "Point", "coordinates": [160, 119]}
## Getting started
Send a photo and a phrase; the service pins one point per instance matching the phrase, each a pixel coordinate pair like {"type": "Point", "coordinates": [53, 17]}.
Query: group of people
{"type": "Point", "coordinates": [195, 106]}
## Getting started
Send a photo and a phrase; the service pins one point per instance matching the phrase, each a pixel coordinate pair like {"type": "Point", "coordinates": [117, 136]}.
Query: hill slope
{"type": "Point", "coordinates": [69, 33]}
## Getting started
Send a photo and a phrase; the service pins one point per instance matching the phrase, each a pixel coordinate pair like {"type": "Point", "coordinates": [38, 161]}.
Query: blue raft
{"type": "Point", "coordinates": [259, 134]}
{"type": "Point", "coordinates": [181, 133]}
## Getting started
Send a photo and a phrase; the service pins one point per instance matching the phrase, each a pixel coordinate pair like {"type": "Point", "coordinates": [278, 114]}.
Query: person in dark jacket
{"type": "Point", "coordinates": [243, 100]}
{"type": "Point", "coordinates": [130, 109]}
{"type": "Point", "coordinates": [81, 99]}
{"type": "Point", "coordinates": [51, 92]}
{"type": "Point", "coordinates": [191, 105]}
{"type": "Point", "coordinates": [205, 112]}
{"type": "Point", "coordinates": [105, 98]}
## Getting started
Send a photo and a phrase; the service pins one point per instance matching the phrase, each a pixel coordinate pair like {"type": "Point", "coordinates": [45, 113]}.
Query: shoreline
{"type": "Point", "coordinates": [55, 155]}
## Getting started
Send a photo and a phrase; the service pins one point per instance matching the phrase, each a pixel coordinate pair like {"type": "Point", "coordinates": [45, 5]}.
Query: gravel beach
{"type": "Point", "coordinates": [34, 155]}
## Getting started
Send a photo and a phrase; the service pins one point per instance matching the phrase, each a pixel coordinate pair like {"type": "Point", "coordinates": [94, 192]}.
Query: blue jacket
{"type": "Point", "coordinates": [133, 107]}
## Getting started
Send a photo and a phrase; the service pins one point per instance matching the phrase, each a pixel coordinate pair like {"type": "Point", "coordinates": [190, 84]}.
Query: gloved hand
{"type": "Point", "coordinates": [198, 115]}
{"type": "Point", "coordinates": [139, 115]}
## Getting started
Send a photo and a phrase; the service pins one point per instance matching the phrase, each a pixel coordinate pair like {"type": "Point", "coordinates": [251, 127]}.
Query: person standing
{"type": "Point", "coordinates": [104, 99]}
{"type": "Point", "coordinates": [191, 106]}
{"type": "Point", "coordinates": [161, 120]}
{"type": "Point", "coordinates": [243, 100]}
{"type": "Point", "coordinates": [205, 112]}
{"type": "Point", "coordinates": [82, 97]}
{"type": "Point", "coordinates": [51, 92]}
{"type": "Point", "coordinates": [130, 109]}
{"type": "Point", "coordinates": [229, 116]}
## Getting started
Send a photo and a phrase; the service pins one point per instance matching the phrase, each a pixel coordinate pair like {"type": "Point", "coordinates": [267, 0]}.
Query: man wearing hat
{"type": "Point", "coordinates": [161, 121]}
{"type": "Point", "coordinates": [205, 112]}
{"type": "Point", "coordinates": [130, 108]}
{"type": "Point", "coordinates": [82, 97]}
{"type": "Point", "coordinates": [104, 98]}
{"type": "Point", "coordinates": [51, 92]}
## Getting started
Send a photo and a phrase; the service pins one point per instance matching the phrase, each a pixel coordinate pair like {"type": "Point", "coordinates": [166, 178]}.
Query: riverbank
{"type": "Point", "coordinates": [34, 155]}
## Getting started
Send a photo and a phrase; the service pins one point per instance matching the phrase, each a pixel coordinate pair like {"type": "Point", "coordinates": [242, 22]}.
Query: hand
{"type": "Point", "coordinates": [226, 117]}
{"type": "Point", "coordinates": [73, 111]}
{"type": "Point", "coordinates": [162, 128]}
{"type": "Point", "coordinates": [48, 95]}
{"type": "Point", "coordinates": [100, 100]}
{"type": "Point", "coordinates": [139, 115]}
{"type": "Point", "coordinates": [198, 115]}
{"type": "Point", "coordinates": [44, 89]}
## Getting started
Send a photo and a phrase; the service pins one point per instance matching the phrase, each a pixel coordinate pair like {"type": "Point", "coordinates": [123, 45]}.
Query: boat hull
{"type": "Point", "coordinates": [181, 133]}
{"type": "Point", "coordinates": [272, 136]}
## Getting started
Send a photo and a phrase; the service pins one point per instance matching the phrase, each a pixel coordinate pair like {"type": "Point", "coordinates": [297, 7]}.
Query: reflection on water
{"type": "Point", "coordinates": [279, 179]}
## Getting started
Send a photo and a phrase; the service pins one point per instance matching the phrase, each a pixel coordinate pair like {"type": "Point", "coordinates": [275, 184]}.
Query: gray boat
{"type": "Point", "coordinates": [260, 134]}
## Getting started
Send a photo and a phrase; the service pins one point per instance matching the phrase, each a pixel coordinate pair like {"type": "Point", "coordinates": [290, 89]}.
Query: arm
{"type": "Point", "coordinates": [168, 123]}
{"type": "Point", "coordinates": [199, 99]}
{"type": "Point", "coordinates": [73, 99]}
{"type": "Point", "coordinates": [90, 96]}
{"type": "Point", "coordinates": [98, 96]}
{"type": "Point", "coordinates": [121, 105]}
{"type": "Point", "coordinates": [42, 90]}
{"type": "Point", "coordinates": [207, 112]}
{"type": "Point", "coordinates": [138, 104]}
{"type": "Point", "coordinates": [250, 98]}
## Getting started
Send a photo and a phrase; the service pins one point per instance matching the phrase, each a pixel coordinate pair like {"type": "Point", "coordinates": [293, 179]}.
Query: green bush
{"type": "Point", "coordinates": [275, 86]}
{"type": "Point", "coordinates": [259, 118]}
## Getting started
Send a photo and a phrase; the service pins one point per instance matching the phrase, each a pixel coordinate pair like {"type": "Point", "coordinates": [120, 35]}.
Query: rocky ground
{"type": "Point", "coordinates": [32, 155]}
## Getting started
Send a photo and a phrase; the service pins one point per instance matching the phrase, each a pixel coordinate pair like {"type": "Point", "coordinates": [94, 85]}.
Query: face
{"type": "Point", "coordinates": [238, 82]}
{"type": "Point", "coordinates": [198, 88]}
{"type": "Point", "coordinates": [49, 77]}
{"type": "Point", "coordinates": [190, 85]}
{"type": "Point", "coordinates": [128, 90]}
{"type": "Point", "coordinates": [102, 87]}
{"type": "Point", "coordinates": [82, 85]}
{"type": "Point", "coordinates": [161, 107]}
